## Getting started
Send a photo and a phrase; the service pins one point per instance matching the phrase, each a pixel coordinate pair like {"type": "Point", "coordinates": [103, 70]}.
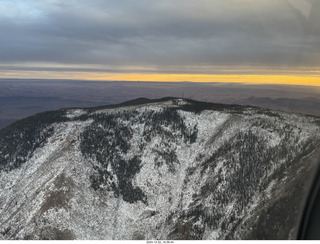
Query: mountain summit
{"type": "Point", "coordinates": [156, 169]}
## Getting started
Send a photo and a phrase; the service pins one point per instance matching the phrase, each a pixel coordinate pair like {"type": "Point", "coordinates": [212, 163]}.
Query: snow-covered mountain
{"type": "Point", "coordinates": [156, 169]}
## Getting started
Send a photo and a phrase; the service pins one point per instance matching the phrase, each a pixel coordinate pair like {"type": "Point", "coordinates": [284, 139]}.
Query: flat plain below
{"type": "Point", "coordinates": [20, 98]}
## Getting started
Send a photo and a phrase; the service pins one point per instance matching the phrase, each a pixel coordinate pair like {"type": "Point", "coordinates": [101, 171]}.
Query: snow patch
{"type": "Point", "coordinates": [71, 114]}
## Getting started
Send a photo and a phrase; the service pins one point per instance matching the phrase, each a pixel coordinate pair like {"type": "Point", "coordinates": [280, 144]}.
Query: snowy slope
{"type": "Point", "coordinates": [166, 169]}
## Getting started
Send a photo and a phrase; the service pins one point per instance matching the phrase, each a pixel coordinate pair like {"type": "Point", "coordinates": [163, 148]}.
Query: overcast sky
{"type": "Point", "coordinates": [163, 36]}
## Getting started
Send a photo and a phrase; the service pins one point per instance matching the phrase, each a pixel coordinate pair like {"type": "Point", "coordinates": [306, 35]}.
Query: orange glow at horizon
{"type": "Point", "coordinates": [251, 79]}
{"type": "Point", "coordinates": [241, 78]}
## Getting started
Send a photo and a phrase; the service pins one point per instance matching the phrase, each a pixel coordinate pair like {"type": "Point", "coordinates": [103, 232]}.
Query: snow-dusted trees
{"type": "Point", "coordinates": [19, 140]}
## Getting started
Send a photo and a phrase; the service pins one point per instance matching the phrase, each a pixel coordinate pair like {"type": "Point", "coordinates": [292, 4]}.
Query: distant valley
{"type": "Point", "coordinates": [22, 98]}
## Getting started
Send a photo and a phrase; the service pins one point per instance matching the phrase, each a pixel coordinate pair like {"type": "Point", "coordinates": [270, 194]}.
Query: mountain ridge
{"type": "Point", "coordinates": [170, 168]}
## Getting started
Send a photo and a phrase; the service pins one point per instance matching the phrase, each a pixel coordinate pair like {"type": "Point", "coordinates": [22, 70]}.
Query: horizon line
{"type": "Point", "coordinates": [244, 79]}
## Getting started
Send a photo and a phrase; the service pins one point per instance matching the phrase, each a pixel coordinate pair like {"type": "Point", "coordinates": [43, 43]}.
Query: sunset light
{"type": "Point", "coordinates": [252, 79]}
{"type": "Point", "coordinates": [207, 41]}
{"type": "Point", "coordinates": [246, 79]}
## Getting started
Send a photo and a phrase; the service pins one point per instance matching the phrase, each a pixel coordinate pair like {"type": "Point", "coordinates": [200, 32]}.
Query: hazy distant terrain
{"type": "Point", "coordinates": [21, 98]}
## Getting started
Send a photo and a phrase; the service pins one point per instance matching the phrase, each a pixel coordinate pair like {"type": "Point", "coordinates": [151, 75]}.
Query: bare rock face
{"type": "Point", "coordinates": [156, 169]}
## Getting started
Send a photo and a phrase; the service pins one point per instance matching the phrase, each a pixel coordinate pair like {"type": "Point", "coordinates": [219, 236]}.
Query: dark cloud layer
{"type": "Point", "coordinates": [159, 34]}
